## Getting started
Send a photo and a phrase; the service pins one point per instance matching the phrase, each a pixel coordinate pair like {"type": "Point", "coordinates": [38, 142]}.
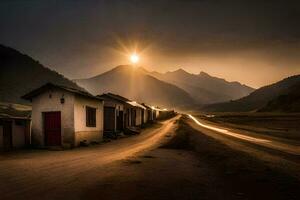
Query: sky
{"type": "Point", "coordinates": [253, 42]}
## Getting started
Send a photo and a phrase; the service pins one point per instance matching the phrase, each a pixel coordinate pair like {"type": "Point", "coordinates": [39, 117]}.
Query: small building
{"type": "Point", "coordinates": [14, 126]}
{"type": "Point", "coordinates": [148, 115]}
{"type": "Point", "coordinates": [121, 113]}
{"type": "Point", "coordinates": [115, 112]}
{"type": "Point", "coordinates": [65, 117]}
{"type": "Point", "coordinates": [161, 114]}
{"type": "Point", "coordinates": [137, 113]}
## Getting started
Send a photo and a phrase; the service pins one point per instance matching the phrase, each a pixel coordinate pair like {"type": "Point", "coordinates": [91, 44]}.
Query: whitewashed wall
{"type": "Point", "coordinates": [18, 135]}
{"type": "Point", "coordinates": [145, 116]}
{"type": "Point", "coordinates": [138, 116]}
{"type": "Point", "coordinates": [82, 132]}
{"type": "Point", "coordinates": [45, 103]}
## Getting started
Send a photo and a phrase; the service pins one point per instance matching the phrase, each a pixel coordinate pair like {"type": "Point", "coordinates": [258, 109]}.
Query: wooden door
{"type": "Point", "coordinates": [7, 135]}
{"type": "Point", "coordinates": [109, 119]}
{"type": "Point", "coordinates": [52, 128]}
{"type": "Point", "coordinates": [120, 121]}
{"type": "Point", "coordinates": [143, 116]}
{"type": "Point", "coordinates": [133, 117]}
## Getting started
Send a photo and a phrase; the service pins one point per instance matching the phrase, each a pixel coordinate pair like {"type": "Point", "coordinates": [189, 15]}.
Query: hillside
{"type": "Point", "coordinates": [204, 88]}
{"type": "Point", "coordinates": [260, 98]}
{"type": "Point", "coordinates": [20, 74]}
{"type": "Point", "coordinates": [289, 102]}
{"type": "Point", "coordinates": [133, 83]}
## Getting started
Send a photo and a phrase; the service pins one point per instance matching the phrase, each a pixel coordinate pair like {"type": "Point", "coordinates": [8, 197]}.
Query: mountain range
{"type": "Point", "coordinates": [282, 96]}
{"type": "Point", "coordinates": [178, 88]}
{"type": "Point", "coordinates": [20, 74]}
{"type": "Point", "coordinates": [205, 89]}
{"type": "Point", "coordinates": [133, 83]}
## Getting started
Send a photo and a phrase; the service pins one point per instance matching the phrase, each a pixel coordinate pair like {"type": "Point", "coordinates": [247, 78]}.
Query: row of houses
{"type": "Point", "coordinates": [67, 117]}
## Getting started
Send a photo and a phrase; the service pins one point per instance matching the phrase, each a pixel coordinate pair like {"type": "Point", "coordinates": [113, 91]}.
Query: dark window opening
{"type": "Point", "coordinates": [19, 122]}
{"type": "Point", "coordinates": [90, 117]}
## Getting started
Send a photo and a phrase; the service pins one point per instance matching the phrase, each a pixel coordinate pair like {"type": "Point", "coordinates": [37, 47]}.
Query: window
{"type": "Point", "coordinates": [90, 117]}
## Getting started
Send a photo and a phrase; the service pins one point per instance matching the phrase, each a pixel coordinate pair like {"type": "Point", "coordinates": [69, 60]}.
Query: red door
{"type": "Point", "coordinates": [52, 124]}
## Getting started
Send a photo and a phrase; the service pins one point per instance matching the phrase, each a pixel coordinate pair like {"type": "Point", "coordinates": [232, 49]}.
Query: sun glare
{"type": "Point", "coordinates": [134, 58]}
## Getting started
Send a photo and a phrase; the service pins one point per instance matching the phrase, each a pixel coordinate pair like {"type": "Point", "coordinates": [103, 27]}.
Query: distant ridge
{"type": "Point", "coordinates": [268, 98]}
{"type": "Point", "coordinates": [205, 89]}
{"type": "Point", "coordinates": [134, 83]}
{"type": "Point", "coordinates": [20, 74]}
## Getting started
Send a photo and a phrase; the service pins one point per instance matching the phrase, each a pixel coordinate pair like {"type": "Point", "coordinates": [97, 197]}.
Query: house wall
{"type": "Point", "coordinates": [82, 132]}
{"type": "Point", "coordinates": [127, 116]}
{"type": "Point", "coordinates": [154, 113]}
{"type": "Point", "coordinates": [157, 114]}
{"type": "Point", "coordinates": [138, 116]}
{"type": "Point", "coordinates": [146, 116]}
{"type": "Point", "coordinates": [151, 115]}
{"type": "Point", "coordinates": [48, 102]}
{"type": "Point", "coordinates": [18, 135]}
{"type": "Point", "coordinates": [19, 132]}
{"type": "Point", "coordinates": [118, 107]}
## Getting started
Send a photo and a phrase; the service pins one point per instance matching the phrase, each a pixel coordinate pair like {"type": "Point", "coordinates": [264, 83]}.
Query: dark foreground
{"type": "Point", "coordinates": [175, 162]}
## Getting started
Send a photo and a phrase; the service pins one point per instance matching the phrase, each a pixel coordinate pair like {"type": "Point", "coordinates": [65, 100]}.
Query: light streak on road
{"type": "Point", "coordinates": [230, 133]}
{"type": "Point", "coordinates": [282, 146]}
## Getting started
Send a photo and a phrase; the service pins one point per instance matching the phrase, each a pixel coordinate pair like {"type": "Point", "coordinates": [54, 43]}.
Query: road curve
{"type": "Point", "coordinates": [281, 146]}
{"type": "Point", "coordinates": [22, 173]}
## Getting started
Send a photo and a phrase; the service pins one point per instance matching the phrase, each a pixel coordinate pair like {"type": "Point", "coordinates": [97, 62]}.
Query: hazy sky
{"type": "Point", "coordinates": [254, 42]}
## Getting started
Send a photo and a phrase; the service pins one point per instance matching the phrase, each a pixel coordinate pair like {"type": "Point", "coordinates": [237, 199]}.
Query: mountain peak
{"type": "Point", "coordinates": [202, 73]}
{"type": "Point", "coordinates": [179, 71]}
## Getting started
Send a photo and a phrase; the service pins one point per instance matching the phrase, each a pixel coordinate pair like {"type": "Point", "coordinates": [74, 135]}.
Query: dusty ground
{"type": "Point", "coordinates": [173, 161]}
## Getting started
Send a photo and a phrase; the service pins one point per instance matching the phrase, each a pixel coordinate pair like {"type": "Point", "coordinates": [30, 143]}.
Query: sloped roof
{"type": "Point", "coordinates": [121, 99]}
{"type": "Point", "coordinates": [147, 106]}
{"type": "Point", "coordinates": [114, 97]}
{"type": "Point", "coordinates": [48, 86]}
{"type": "Point", "coordinates": [135, 104]}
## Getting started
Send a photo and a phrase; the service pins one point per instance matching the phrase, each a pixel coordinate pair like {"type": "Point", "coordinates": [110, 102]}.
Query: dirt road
{"type": "Point", "coordinates": [175, 160]}
{"type": "Point", "coordinates": [32, 174]}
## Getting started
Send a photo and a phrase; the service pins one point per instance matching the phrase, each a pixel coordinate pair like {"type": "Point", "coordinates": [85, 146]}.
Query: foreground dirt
{"type": "Point", "coordinates": [192, 165]}
{"type": "Point", "coordinates": [173, 161]}
{"type": "Point", "coordinates": [63, 174]}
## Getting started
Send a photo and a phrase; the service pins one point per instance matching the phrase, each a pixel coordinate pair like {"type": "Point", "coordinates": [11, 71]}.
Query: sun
{"type": "Point", "coordinates": [134, 58]}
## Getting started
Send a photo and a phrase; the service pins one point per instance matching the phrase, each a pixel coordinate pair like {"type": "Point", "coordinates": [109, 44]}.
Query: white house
{"type": "Point", "coordinates": [14, 126]}
{"type": "Point", "coordinates": [115, 113]}
{"type": "Point", "coordinates": [148, 114]}
{"type": "Point", "coordinates": [121, 113]}
{"type": "Point", "coordinates": [65, 117]}
{"type": "Point", "coordinates": [137, 113]}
